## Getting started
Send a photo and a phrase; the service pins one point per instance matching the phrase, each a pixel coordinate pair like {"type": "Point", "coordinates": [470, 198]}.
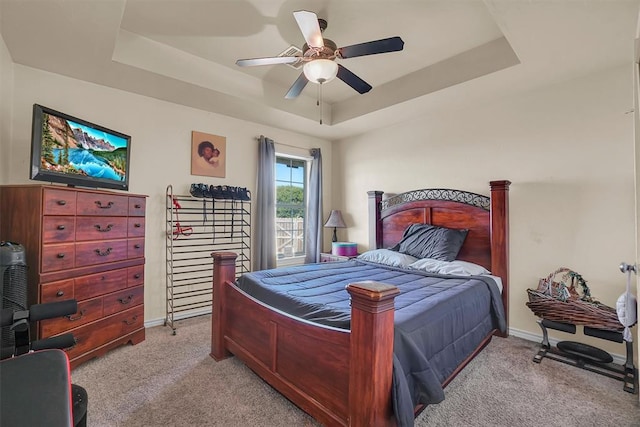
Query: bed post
{"type": "Point", "coordinates": [371, 361]}
{"type": "Point", "coordinates": [500, 240]}
{"type": "Point", "coordinates": [375, 225]}
{"type": "Point", "coordinates": [224, 270]}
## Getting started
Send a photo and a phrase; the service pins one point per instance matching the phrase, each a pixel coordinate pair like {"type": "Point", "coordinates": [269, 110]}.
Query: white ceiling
{"type": "Point", "coordinates": [455, 52]}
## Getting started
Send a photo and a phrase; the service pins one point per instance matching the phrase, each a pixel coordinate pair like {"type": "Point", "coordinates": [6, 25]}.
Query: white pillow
{"type": "Point", "coordinates": [429, 265]}
{"type": "Point", "coordinates": [457, 267]}
{"type": "Point", "coordinates": [388, 257]}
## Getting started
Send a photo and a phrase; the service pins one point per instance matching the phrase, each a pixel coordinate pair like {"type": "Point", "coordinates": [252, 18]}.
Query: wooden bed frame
{"type": "Point", "coordinates": [339, 377]}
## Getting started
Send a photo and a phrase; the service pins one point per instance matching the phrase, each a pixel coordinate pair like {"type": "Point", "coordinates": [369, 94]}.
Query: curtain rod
{"type": "Point", "coordinates": [287, 145]}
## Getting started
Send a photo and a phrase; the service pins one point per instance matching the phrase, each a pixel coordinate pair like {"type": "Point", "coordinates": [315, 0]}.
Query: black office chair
{"type": "Point", "coordinates": [18, 321]}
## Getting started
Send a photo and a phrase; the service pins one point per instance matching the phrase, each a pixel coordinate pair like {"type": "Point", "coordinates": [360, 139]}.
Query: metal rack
{"type": "Point", "coordinates": [195, 227]}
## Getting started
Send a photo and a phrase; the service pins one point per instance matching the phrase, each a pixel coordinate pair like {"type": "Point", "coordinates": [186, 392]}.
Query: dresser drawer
{"type": "Point", "coordinates": [135, 248]}
{"type": "Point", "coordinates": [102, 204]}
{"type": "Point", "coordinates": [136, 227]}
{"type": "Point", "coordinates": [56, 291]}
{"type": "Point", "coordinates": [94, 285]}
{"type": "Point", "coordinates": [57, 257]}
{"type": "Point", "coordinates": [88, 311]}
{"type": "Point", "coordinates": [101, 227]}
{"type": "Point", "coordinates": [59, 202]}
{"type": "Point", "coordinates": [135, 276]}
{"type": "Point", "coordinates": [58, 229]}
{"type": "Point", "coordinates": [122, 300]}
{"type": "Point", "coordinates": [99, 333]}
{"type": "Point", "coordinates": [100, 252]}
{"type": "Point", "coordinates": [136, 206]}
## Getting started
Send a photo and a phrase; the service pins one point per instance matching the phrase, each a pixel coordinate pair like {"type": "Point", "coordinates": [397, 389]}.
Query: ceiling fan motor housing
{"type": "Point", "coordinates": [327, 52]}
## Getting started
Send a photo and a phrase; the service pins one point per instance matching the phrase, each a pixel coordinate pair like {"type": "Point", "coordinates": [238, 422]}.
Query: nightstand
{"type": "Point", "coordinates": [329, 257]}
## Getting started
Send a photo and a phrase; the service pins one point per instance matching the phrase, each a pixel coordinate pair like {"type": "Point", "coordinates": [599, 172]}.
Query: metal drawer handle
{"type": "Point", "coordinates": [59, 293]}
{"type": "Point", "coordinates": [138, 206]}
{"type": "Point", "coordinates": [62, 202]}
{"type": "Point", "coordinates": [137, 225]}
{"type": "Point", "coordinates": [107, 206]}
{"type": "Point", "coordinates": [60, 255]}
{"type": "Point", "coordinates": [61, 227]}
{"type": "Point", "coordinates": [105, 253]}
{"type": "Point", "coordinates": [103, 230]}
{"type": "Point", "coordinates": [73, 319]}
{"type": "Point", "coordinates": [136, 276]}
{"type": "Point", "coordinates": [136, 246]}
{"type": "Point", "coordinates": [126, 300]}
{"type": "Point", "coordinates": [133, 320]}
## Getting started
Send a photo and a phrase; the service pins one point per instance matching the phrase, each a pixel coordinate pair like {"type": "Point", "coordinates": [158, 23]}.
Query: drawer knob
{"type": "Point", "coordinates": [133, 320]}
{"type": "Point", "coordinates": [61, 227]}
{"type": "Point", "coordinates": [62, 202]}
{"type": "Point", "coordinates": [60, 255]}
{"type": "Point", "coordinates": [137, 225]}
{"type": "Point", "coordinates": [138, 206]}
{"type": "Point", "coordinates": [126, 300]}
{"type": "Point", "coordinates": [73, 319]}
{"type": "Point", "coordinates": [137, 246]}
{"type": "Point", "coordinates": [59, 293]}
{"type": "Point", "coordinates": [136, 276]}
{"type": "Point", "coordinates": [103, 230]}
{"type": "Point", "coordinates": [101, 206]}
{"type": "Point", "coordinates": [105, 253]}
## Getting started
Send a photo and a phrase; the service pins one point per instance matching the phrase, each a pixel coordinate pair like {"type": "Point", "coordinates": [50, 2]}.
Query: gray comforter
{"type": "Point", "coordinates": [439, 320]}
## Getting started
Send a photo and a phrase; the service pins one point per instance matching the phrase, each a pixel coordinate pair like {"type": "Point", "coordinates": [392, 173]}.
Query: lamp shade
{"type": "Point", "coordinates": [320, 70]}
{"type": "Point", "coordinates": [335, 220]}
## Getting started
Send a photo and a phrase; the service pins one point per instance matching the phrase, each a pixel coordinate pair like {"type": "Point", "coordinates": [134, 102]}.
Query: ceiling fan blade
{"type": "Point", "coordinates": [392, 44]}
{"type": "Point", "coordinates": [352, 80]}
{"type": "Point", "coordinates": [297, 87]}
{"type": "Point", "coordinates": [308, 23]}
{"type": "Point", "coordinates": [267, 61]}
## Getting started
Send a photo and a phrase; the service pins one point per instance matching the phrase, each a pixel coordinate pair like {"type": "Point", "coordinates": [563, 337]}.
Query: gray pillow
{"type": "Point", "coordinates": [430, 241]}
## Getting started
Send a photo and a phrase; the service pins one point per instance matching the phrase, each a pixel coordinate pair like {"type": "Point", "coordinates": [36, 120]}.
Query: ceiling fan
{"type": "Point", "coordinates": [319, 54]}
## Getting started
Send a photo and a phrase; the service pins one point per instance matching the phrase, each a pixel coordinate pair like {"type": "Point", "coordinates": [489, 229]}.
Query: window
{"type": "Point", "coordinates": [291, 185]}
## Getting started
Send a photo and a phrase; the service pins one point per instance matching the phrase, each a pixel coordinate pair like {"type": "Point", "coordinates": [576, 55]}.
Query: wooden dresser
{"type": "Point", "coordinates": [82, 244]}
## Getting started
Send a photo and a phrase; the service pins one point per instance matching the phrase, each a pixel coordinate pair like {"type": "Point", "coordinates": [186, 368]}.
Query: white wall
{"type": "Point", "coordinates": [6, 97]}
{"type": "Point", "coordinates": [160, 150]}
{"type": "Point", "coordinates": [569, 152]}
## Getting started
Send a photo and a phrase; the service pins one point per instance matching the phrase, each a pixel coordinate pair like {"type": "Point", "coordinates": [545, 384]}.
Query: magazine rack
{"type": "Point", "coordinates": [588, 357]}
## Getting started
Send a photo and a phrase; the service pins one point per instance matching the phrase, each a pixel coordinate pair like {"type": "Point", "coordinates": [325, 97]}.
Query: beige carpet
{"type": "Point", "coordinates": [172, 381]}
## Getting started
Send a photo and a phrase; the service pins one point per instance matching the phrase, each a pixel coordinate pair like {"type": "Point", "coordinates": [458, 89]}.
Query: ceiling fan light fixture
{"type": "Point", "coordinates": [320, 71]}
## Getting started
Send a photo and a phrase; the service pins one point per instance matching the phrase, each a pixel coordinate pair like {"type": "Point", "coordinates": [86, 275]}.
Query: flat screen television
{"type": "Point", "coordinates": [72, 151]}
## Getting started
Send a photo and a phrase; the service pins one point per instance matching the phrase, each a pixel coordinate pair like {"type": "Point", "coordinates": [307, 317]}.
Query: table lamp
{"type": "Point", "coordinates": [335, 220]}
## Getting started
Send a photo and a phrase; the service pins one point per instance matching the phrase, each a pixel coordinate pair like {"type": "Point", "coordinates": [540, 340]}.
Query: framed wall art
{"type": "Point", "coordinates": [208, 154]}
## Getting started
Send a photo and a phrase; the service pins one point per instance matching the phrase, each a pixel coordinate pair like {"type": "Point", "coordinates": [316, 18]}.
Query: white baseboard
{"type": "Point", "coordinates": [161, 321]}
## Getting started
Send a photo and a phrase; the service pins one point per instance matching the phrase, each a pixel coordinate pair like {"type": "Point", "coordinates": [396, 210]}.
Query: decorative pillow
{"type": "Point", "coordinates": [430, 241]}
{"type": "Point", "coordinates": [456, 268]}
{"type": "Point", "coordinates": [388, 257]}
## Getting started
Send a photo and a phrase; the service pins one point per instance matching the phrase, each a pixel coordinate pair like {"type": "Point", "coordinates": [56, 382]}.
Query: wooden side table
{"type": "Point", "coordinates": [329, 257]}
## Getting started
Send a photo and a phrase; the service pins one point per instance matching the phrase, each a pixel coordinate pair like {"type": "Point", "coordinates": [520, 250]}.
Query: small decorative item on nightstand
{"type": "Point", "coordinates": [327, 257]}
{"type": "Point", "coordinates": [348, 249]}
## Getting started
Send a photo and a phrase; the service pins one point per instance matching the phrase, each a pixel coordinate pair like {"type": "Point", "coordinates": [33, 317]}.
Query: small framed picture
{"type": "Point", "coordinates": [208, 154]}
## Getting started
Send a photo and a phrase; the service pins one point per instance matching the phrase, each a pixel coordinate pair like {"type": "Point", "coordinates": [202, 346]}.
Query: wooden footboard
{"type": "Point", "coordinates": [339, 377]}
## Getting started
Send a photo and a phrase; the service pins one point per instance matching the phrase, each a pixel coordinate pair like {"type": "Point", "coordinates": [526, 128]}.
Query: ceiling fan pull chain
{"type": "Point", "coordinates": [320, 100]}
